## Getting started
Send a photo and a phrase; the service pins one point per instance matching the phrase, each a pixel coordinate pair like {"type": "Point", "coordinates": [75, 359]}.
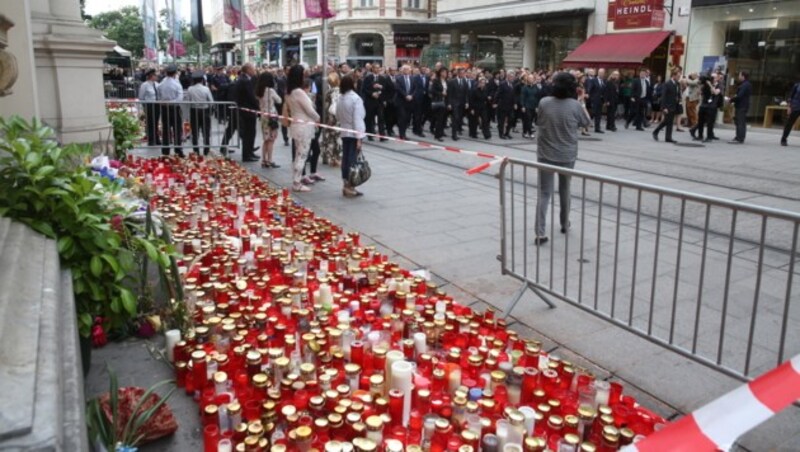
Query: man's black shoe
{"type": "Point", "coordinates": [598, 131]}
{"type": "Point", "coordinates": [655, 136]}
{"type": "Point", "coordinates": [670, 141]}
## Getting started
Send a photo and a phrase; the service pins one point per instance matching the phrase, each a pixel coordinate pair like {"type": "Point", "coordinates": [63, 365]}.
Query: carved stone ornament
{"type": "Point", "coordinates": [8, 64]}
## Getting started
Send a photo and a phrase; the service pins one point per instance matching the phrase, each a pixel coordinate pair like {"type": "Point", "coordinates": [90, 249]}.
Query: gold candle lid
{"type": "Point", "coordinates": [374, 423]}
{"type": "Point", "coordinates": [303, 432]}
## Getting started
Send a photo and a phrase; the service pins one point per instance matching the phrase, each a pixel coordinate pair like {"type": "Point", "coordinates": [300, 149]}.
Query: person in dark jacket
{"type": "Point", "coordinates": [219, 84]}
{"type": "Point", "coordinates": [611, 97]}
{"type": "Point", "coordinates": [245, 97]}
{"type": "Point", "coordinates": [438, 94]}
{"type": "Point", "coordinates": [457, 92]}
{"type": "Point", "coordinates": [669, 102]}
{"type": "Point", "coordinates": [406, 91]}
{"type": "Point", "coordinates": [280, 87]}
{"type": "Point", "coordinates": [505, 103]}
{"type": "Point", "coordinates": [371, 89]}
{"type": "Point", "coordinates": [421, 102]}
{"type": "Point", "coordinates": [530, 94]}
{"type": "Point", "coordinates": [387, 99]}
{"type": "Point", "coordinates": [707, 111]}
{"type": "Point", "coordinates": [741, 102]}
{"type": "Point", "coordinates": [641, 93]}
{"type": "Point", "coordinates": [595, 88]}
{"type": "Point", "coordinates": [479, 110]}
{"type": "Point", "coordinates": [793, 112]}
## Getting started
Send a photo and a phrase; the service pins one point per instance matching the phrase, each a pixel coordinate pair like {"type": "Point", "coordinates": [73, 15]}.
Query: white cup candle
{"type": "Point", "coordinates": [173, 337]}
{"type": "Point", "coordinates": [401, 378]}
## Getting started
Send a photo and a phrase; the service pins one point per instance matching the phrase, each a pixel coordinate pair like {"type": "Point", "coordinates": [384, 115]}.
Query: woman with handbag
{"type": "Point", "coordinates": [300, 109]}
{"type": "Point", "coordinates": [350, 112]}
{"type": "Point", "coordinates": [438, 93]}
{"type": "Point", "coordinates": [268, 98]}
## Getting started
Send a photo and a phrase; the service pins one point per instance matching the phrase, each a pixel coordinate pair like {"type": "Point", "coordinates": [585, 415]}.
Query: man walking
{"type": "Point", "coordinates": [793, 112]}
{"type": "Point", "coordinates": [170, 90]}
{"type": "Point", "coordinates": [611, 97]}
{"type": "Point", "coordinates": [670, 99]}
{"type": "Point", "coordinates": [640, 96]}
{"type": "Point", "coordinates": [406, 90]}
{"type": "Point", "coordinates": [457, 92]}
{"type": "Point", "coordinates": [595, 89]}
{"type": "Point", "coordinates": [505, 104]}
{"type": "Point", "coordinates": [741, 103]}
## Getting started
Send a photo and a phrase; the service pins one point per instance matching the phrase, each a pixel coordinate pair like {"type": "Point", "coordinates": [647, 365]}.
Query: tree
{"type": "Point", "coordinates": [124, 26]}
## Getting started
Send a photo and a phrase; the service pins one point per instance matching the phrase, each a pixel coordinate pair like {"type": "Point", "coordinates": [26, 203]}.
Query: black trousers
{"type": "Point", "coordinates": [639, 110]}
{"type": "Point", "coordinates": [666, 123]}
{"type": "Point", "coordinates": [789, 124]}
{"type": "Point", "coordinates": [230, 129]}
{"type": "Point", "coordinates": [418, 120]}
{"type": "Point", "coordinates": [375, 110]}
{"type": "Point", "coordinates": [528, 119]}
{"type": "Point", "coordinates": [152, 112]}
{"type": "Point", "coordinates": [439, 117]}
{"type": "Point", "coordinates": [200, 121]}
{"type": "Point", "coordinates": [404, 110]}
{"type": "Point", "coordinates": [389, 116]}
{"type": "Point", "coordinates": [457, 112]}
{"type": "Point", "coordinates": [504, 121]}
{"type": "Point", "coordinates": [597, 114]}
{"type": "Point", "coordinates": [480, 117]}
{"type": "Point", "coordinates": [705, 120]}
{"type": "Point", "coordinates": [247, 131]}
{"type": "Point", "coordinates": [611, 116]}
{"type": "Point", "coordinates": [741, 123]}
{"type": "Point", "coordinates": [171, 129]}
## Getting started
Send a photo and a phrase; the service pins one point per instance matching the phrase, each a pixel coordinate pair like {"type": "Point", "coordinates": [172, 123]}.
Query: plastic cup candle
{"type": "Point", "coordinates": [402, 380]}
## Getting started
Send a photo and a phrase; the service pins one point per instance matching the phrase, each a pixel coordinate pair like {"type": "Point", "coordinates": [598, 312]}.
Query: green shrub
{"type": "Point", "coordinates": [127, 130]}
{"type": "Point", "coordinates": [44, 188]}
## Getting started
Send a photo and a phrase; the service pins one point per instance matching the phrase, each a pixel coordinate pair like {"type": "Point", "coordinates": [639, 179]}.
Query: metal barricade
{"type": "Point", "coordinates": [121, 89]}
{"type": "Point", "coordinates": [179, 127]}
{"type": "Point", "coordinates": [711, 279]}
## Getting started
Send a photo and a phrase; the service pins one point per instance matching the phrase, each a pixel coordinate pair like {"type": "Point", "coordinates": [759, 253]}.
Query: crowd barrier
{"type": "Point", "coordinates": [710, 279]}
{"type": "Point", "coordinates": [201, 127]}
{"type": "Point", "coordinates": [121, 89]}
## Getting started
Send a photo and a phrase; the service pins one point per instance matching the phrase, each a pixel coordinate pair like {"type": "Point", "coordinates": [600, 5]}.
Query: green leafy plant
{"type": "Point", "coordinates": [127, 130]}
{"type": "Point", "coordinates": [117, 430]}
{"type": "Point", "coordinates": [49, 188]}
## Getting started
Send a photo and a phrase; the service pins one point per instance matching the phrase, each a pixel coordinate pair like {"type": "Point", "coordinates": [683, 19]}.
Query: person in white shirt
{"type": "Point", "coordinates": [299, 107]}
{"type": "Point", "coordinates": [170, 90]}
{"type": "Point", "coordinates": [268, 100]}
{"type": "Point", "coordinates": [350, 112]}
{"type": "Point", "coordinates": [148, 95]}
{"type": "Point", "coordinates": [199, 112]}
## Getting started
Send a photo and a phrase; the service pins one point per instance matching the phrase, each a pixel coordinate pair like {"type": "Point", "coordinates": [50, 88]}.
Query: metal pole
{"type": "Point", "coordinates": [241, 29]}
{"type": "Point", "coordinates": [324, 49]}
{"type": "Point", "coordinates": [172, 30]}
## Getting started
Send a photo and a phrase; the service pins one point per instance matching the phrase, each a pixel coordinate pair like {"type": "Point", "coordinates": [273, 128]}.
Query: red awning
{"type": "Point", "coordinates": [618, 49]}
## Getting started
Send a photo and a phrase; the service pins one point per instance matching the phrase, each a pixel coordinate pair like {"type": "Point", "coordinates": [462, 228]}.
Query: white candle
{"type": "Point", "coordinates": [402, 379]}
{"type": "Point", "coordinates": [602, 388]}
{"type": "Point", "coordinates": [420, 345]}
{"type": "Point", "coordinates": [325, 295]}
{"type": "Point", "coordinates": [224, 445]}
{"type": "Point", "coordinates": [411, 302]}
{"type": "Point", "coordinates": [173, 337]}
{"type": "Point", "coordinates": [501, 430]}
{"type": "Point", "coordinates": [454, 380]}
{"type": "Point", "coordinates": [391, 357]}
{"type": "Point", "coordinates": [530, 417]}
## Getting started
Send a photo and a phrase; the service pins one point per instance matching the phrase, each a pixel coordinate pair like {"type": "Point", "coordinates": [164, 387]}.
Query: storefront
{"type": "Point", "coordinates": [409, 47]}
{"type": "Point", "coordinates": [290, 49]}
{"type": "Point", "coordinates": [365, 48]}
{"type": "Point", "coordinates": [222, 54]}
{"type": "Point", "coordinates": [762, 38]}
{"type": "Point", "coordinates": [309, 50]}
{"type": "Point", "coordinates": [272, 51]}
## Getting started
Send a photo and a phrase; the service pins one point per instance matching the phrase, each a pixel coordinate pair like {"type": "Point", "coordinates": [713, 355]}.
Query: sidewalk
{"type": "Point", "coordinates": [423, 211]}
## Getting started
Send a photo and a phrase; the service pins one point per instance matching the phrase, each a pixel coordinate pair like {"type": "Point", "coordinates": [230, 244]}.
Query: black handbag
{"type": "Point", "coordinates": [359, 172]}
{"type": "Point", "coordinates": [437, 104]}
{"type": "Point", "coordinates": [679, 109]}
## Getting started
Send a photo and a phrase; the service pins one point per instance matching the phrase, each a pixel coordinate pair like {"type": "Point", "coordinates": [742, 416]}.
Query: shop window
{"type": "Point", "coordinates": [414, 4]}
{"type": "Point", "coordinates": [366, 45]}
{"type": "Point", "coordinates": [367, 3]}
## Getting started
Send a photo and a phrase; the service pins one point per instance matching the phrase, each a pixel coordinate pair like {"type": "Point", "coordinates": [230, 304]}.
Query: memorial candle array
{"type": "Point", "coordinates": [306, 339]}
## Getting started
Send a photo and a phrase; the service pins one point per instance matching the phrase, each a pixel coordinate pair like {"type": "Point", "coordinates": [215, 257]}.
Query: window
{"type": "Point", "coordinates": [413, 4]}
{"type": "Point", "coordinates": [367, 3]}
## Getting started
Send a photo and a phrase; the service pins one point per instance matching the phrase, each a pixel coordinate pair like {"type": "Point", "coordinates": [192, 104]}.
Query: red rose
{"type": "Point", "coordinates": [99, 338]}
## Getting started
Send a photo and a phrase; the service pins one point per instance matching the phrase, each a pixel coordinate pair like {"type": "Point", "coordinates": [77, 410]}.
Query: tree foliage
{"type": "Point", "coordinates": [125, 26]}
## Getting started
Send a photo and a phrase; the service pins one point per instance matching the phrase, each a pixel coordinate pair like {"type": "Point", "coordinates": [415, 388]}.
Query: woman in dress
{"type": "Point", "coordinates": [268, 99]}
{"type": "Point", "coordinates": [350, 112]}
{"type": "Point", "coordinates": [301, 129]}
{"type": "Point", "coordinates": [583, 98]}
{"type": "Point", "coordinates": [331, 147]}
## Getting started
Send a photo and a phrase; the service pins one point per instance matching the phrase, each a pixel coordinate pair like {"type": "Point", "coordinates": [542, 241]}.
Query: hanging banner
{"type": "Point", "coordinates": [318, 9]}
{"type": "Point", "coordinates": [175, 45]}
{"type": "Point", "coordinates": [233, 15]}
{"type": "Point", "coordinates": [150, 51]}
{"type": "Point", "coordinates": [198, 27]}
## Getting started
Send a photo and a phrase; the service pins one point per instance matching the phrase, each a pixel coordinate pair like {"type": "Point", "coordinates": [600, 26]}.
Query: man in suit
{"type": "Point", "coordinates": [386, 79]}
{"type": "Point", "coordinates": [170, 90]}
{"type": "Point", "coordinates": [611, 97]}
{"type": "Point", "coordinates": [641, 93]}
{"type": "Point", "coordinates": [505, 103]}
{"type": "Point", "coordinates": [280, 88]}
{"type": "Point", "coordinates": [245, 97]}
{"type": "Point", "coordinates": [421, 101]}
{"type": "Point", "coordinates": [405, 90]}
{"type": "Point", "coordinates": [372, 89]}
{"type": "Point", "coordinates": [457, 91]}
{"type": "Point", "coordinates": [670, 99]}
{"type": "Point", "coordinates": [479, 110]}
{"type": "Point", "coordinates": [595, 87]}
{"type": "Point", "coordinates": [219, 84]}
{"type": "Point", "coordinates": [741, 101]}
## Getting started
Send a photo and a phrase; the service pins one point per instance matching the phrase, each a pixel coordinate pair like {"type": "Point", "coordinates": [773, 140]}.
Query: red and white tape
{"type": "Point", "coordinates": [716, 426]}
{"type": "Point", "coordinates": [495, 159]}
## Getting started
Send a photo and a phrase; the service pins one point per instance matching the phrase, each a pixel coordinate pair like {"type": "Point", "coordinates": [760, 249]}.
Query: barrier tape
{"type": "Point", "coordinates": [471, 171]}
{"type": "Point", "coordinates": [718, 424]}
